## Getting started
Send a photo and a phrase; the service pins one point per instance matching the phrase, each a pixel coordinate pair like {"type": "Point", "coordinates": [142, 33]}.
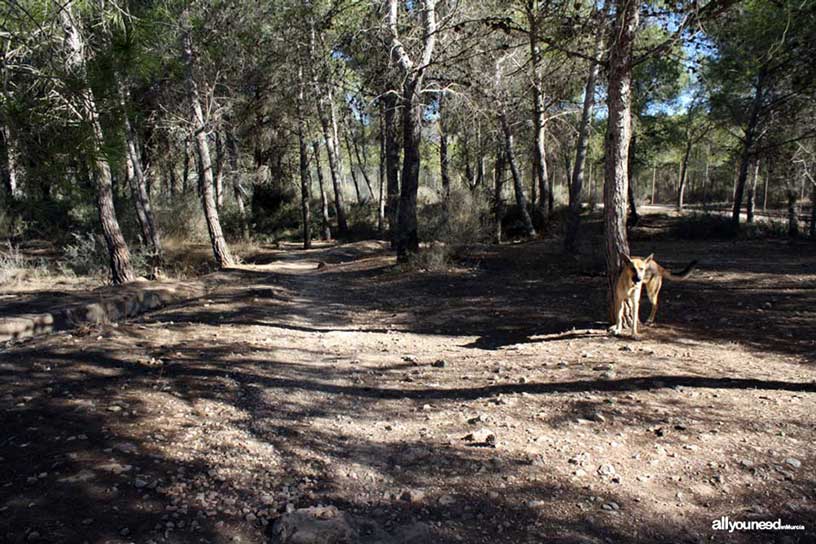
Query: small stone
{"type": "Point", "coordinates": [413, 496]}
{"type": "Point", "coordinates": [611, 506]}
{"type": "Point", "coordinates": [792, 461]}
{"type": "Point", "coordinates": [482, 436]}
{"type": "Point", "coordinates": [481, 418]}
{"type": "Point", "coordinates": [439, 363]}
{"type": "Point", "coordinates": [138, 483]}
{"type": "Point", "coordinates": [446, 500]}
{"type": "Point", "coordinates": [33, 535]}
{"type": "Point", "coordinates": [114, 408]}
{"type": "Point", "coordinates": [125, 531]}
{"type": "Point", "coordinates": [606, 470]}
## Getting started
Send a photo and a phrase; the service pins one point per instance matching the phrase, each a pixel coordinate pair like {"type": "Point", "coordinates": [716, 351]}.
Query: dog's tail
{"type": "Point", "coordinates": [683, 274]}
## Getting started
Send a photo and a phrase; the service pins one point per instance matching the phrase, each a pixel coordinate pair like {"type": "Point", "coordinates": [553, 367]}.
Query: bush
{"type": "Point", "coordinates": [274, 209]}
{"type": "Point", "coordinates": [86, 255]}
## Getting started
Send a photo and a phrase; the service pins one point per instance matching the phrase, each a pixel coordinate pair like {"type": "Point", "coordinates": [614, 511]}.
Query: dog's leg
{"type": "Point", "coordinates": [635, 311]}
{"type": "Point", "coordinates": [654, 293]}
{"type": "Point", "coordinates": [621, 312]}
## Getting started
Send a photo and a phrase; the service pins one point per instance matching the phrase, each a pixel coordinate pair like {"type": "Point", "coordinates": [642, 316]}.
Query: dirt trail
{"type": "Point", "coordinates": [485, 402]}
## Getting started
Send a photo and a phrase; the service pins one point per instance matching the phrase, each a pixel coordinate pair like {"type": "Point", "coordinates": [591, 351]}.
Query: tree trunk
{"type": "Point", "coordinates": [392, 158]}
{"type": "Point", "coordinates": [221, 250]}
{"type": "Point", "coordinates": [334, 165]}
{"type": "Point", "coordinates": [617, 141]}
{"type": "Point", "coordinates": [121, 268]}
{"type": "Point", "coordinates": [362, 161]}
{"type": "Point", "coordinates": [634, 217]}
{"type": "Point", "coordinates": [518, 187]}
{"type": "Point", "coordinates": [219, 171]}
{"type": "Point", "coordinates": [13, 165]}
{"type": "Point", "coordinates": [444, 172]}
{"type": "Point", "coordinates": [747, 148]}
{"type": "Point", "coordinates": [237, 188]}
{"type": "Point", "coordinates": [360, 199]}
{"type": "Point", "coordinates": [812, 211]}
{"type": "Point", "coordinates": [185, 171]}
{"type": "Point", "coordinates": [381, 173]}
{"type": "Point", "coordinates": [793, 219]}
{"type": "Point", "coordinates": [305, 189]}
{"type": "Point", "coordinates": [707, 177]}
{"type": "Point", "coordinates": [407, 235]}
{"type": "Point", "coordinates": [577, 182]}
{"type": "Point", "coordinates": [324, 202]}
{"type": "Point", "coordinates": [539, 151]}
{"type": "Point", "coordinates": [683, 175]}
{"type": "Point", "coordinates": [752, 195]}
{"type": "Point", "coordinates": [765, 196]}
{"type": "Point", "coordinates": [498, 185]}
{"type": "Point", "coordinates": [138, 183]}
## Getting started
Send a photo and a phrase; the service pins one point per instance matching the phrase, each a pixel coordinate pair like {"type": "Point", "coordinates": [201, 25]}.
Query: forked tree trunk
{"type": "Point", "coordinates": [413, 72]}
{"type": "Point", "coordinates": [346, 137]}
{"type": "Point", "coordinates": [221, 250]}
{"type": "Point", "coordinates": [577, 182]}
{"type": "Point", "coordinates": [75, 62]}
{"type": "Point", "coordinates": [518, 187]}
{"type": "Point", "coordinates": [324, 202]}
{"type": "Point", "coordinates": [617, 141]}
{"type": "Point", "coordinates": [392, 158]}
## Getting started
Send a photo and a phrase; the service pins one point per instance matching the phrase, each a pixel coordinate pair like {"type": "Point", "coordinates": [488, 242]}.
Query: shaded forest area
{"type": "Point", "coordinates": [309, 271]}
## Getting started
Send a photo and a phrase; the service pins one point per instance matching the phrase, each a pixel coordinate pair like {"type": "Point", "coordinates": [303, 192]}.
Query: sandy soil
{"type": "Point", "coordinates": [487, 401]}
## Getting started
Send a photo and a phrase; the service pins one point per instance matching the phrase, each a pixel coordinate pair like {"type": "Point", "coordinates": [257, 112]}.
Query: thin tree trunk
{"type": "Point", "coordinates": [443, 156]}
{"type": "Point", "coordinates": [185, 172]}
{"type": "Point", "coordinates": [812, 211]}
{"type": "Point", "coordinates": [392, 158]}
{"type": "Point", "coordinates": [634, 217]}
{"type": "Point", "coordinates": [576, 185]}
{"type": "Point", "coordinates": [617, 141]}
{"type": "Point", "coordinates": [521, 200]}
{"type": "Point", "coordinates": [324, 202]}
{"type": "Point", "coordinates": [221, 250]}
{"type": "Point", "coordinates": [752, 195]}
{"type": "Point", "coordinates": [362, 161]}
{"type": "Point", "coordinates": [683, 175]}
{"type": "Point", "coordinates": [381, 173]}
{"type": "Point", "coordinates": [707, 177]}
{"type": "Point", "coordinates": [539, 151]}
{"type": "Point", "coordinates": [13, 164]}
{"type": "Point", "coordinates": [654, 181]}
{"type": "Point", "coordinates": [237, 188]}
{"type": "Point", "coordinates": [305, 190]}
{"type": "Point", "coordinates": [121, 268]}
{"type": "Point", "coordinates": [793, 219]}
{"type": "Point", "coordinates": [765, 196]}
{"type": "Point", "coordinates": [219, 171]}
{"type": "Point", "coordinates": [747, 148]}
{"type": "Point", "coordinates": [498, 185]}
{"type": "Point", "coordinates": [347, 139]}
{"type": "Point", "coordinates": [138, 183]}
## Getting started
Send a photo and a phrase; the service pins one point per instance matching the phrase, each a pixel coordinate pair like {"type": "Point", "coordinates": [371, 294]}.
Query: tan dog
{"type": "Point", "coordinates": [653, 281]}
{"type": "Point", "coordinates": [627, 292]}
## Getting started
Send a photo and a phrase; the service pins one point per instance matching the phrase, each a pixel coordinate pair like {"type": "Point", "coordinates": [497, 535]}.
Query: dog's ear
{"type": "Point", "coordinates": [649, 258]}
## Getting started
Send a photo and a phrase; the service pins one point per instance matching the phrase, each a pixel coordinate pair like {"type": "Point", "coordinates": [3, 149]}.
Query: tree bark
{"type": "Point", "coordinates": [305, 189]}
{"type": "Point", "coordinates": [539, 150]}
{"type": "Point", "coordinates": [683, 175]}
{"type": "Point", "coordinates": [793, 219]}
{"type": "Point", "coordinates": [747, 148]}
{"type": "Point", "coordinates": [577, 182]}
{"type": "Point", "coordinates": [324, 202]}
{"type": "Point", "coordinates": [407, 235]}
{"type": "Point", "coordinates": [221, 250]}
{"type": "Point", "coordinates": [812, 211]}
{"type": "Point", "coordinates": [444, 172]}
{"type": "Point", "coordinates": [634, 216]}
{"type": "Point", "coordinates": [219, 171]}
{"type": "Point", "coordinates": [360, 199]}
{"type": "Point", "coordinates": [518, 187]}
{"type": "Point", "coordinates": [75, 62]}
{"type": "Point", "coordinates": [237, 188]}
{"type": "Point", "coordinates": [392, 158]}
{"type": "Point", "coordinates": [498, 185]}
{"type": "Point", "coordinates": [13, 165]}
{"type": "Point", "coordinates": [381, 173]}
{"type": "Point", "coordinates": [617, 141]}
{"type": "Point", "coordinates": [749, 217]}
{"type": "Point", "coordinates": [362, 161]}
{"type": "Point", "coordinates": [138, 184]}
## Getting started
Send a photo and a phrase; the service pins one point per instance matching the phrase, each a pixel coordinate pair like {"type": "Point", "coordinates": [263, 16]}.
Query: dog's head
{"type": "Point", "coordinates": [637, 267]}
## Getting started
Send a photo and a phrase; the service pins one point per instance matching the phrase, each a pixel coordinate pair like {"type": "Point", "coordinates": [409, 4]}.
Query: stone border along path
{"type": "Point", "coordinates": [107, 305]}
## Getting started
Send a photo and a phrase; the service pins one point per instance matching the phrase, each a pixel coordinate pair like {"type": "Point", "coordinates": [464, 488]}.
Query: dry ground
{"type": "Point", "coordinates": [355, 385]}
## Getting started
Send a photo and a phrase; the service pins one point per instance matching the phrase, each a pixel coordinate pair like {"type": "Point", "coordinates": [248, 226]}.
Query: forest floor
{"type": "Point", "coordinates": [486, 401]}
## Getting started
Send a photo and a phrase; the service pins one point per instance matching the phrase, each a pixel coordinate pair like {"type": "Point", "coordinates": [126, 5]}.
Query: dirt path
{"type": "Point", "coordinates": [483, 402]}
